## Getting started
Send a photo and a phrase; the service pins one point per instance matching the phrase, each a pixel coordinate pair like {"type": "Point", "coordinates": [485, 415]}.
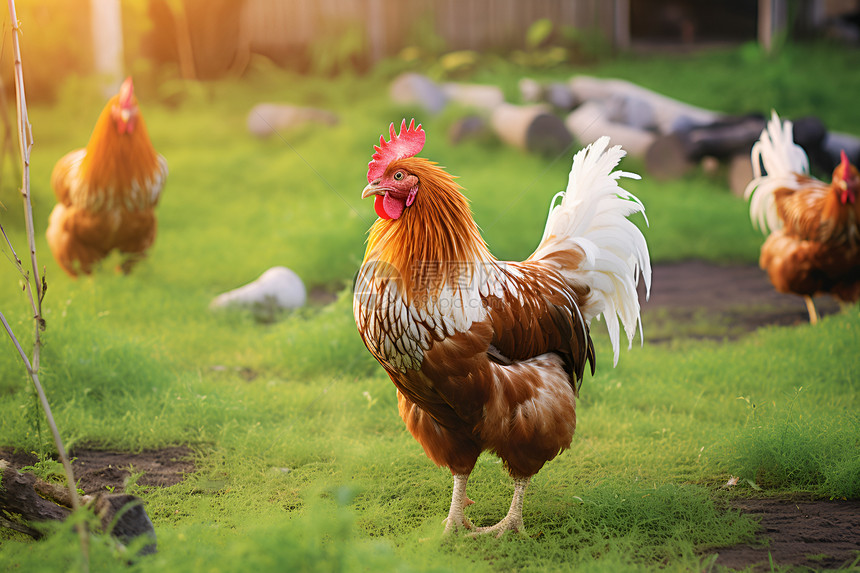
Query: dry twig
{"type": "Point", "coordinates": [34, 284]}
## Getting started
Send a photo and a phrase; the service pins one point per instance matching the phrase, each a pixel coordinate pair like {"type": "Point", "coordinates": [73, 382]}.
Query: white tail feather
{"type": "Point", "coordinates": [592, 217]}
{"type": "Point", "coordinates": [783, 160]}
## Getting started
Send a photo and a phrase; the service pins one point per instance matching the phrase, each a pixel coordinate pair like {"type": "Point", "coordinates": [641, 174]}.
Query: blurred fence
{"type": "Point", "coordinates": [278, 25]}
{"type": "Point", "coordinates": [221, 33]}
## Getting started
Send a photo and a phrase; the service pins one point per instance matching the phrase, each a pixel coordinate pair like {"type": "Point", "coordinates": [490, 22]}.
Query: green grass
{"type": "Point", "coordinates": [303, 462]}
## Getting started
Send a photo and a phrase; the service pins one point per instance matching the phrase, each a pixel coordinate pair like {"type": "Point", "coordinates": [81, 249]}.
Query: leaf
{"type": "Point", "coordinates": [538, 32]}
{"type": "Point", "coordinates": [753, 484]}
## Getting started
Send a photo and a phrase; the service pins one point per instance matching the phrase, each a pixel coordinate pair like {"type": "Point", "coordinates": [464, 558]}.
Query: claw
{"type": "Point", "coordinates": [509, 523]}
{"type": "Point", "coordinates": [513, 521]}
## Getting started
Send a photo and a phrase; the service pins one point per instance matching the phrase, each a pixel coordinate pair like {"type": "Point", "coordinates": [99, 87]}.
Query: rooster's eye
{"type": "Point", "coordinates": [399, 175]}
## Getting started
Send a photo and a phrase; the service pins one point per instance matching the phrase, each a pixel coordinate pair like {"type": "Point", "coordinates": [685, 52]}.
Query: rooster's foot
{"type": "Point", "coordinates": [513, 521]}
{"type": "Point", "coordinates": [509, 523]}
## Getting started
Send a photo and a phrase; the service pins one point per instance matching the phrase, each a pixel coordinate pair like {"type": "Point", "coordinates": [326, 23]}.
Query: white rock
{"type": "Point", "coordinates": [277, 289]}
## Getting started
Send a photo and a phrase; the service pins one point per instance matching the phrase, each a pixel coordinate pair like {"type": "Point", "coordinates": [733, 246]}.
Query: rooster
{"type": "Point", "coordinates": [106, 192]}
{"type": "Point", "coordinates": [814, 241]}
{"type": "Point", "coordinates": [486, 354]}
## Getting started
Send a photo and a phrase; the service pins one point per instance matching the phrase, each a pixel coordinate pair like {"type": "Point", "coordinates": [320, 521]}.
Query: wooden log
{"type": "Point", "coordinates": [121, 515]}
{"type": "Point", "coordinates": [479, 96]}
{"type": "Point", "coordinates": [469, 127]}
{"type": "Point", "coordinates": [531, 91]}
{"type": "Point", "coordinates": [836, 142]}
{"type": "Point", "coordinates": [668, 112]}
{"type": "Point", "coordinates": [674, 154]}
{"type": "Point", "coordinates": [666, 158]}
{"type": "Point", "coordinates": [559, 96]}
{"type": "Point", "coordinates": [415, 89]}
{"type": "Point", "coordinates": [590, 121]}
{"type": "Point", "coordinates": [18, 495]}
{"type": "Point", "coordinates": [556, 94]}
{"type": "Point", "coordinates": [530, 128]}
{"type": "Point", "coordinates": [740, 173]}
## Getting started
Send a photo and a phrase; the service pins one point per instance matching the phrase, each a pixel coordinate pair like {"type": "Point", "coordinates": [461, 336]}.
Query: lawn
{"type": "Point", "coordinates": [302, 461]}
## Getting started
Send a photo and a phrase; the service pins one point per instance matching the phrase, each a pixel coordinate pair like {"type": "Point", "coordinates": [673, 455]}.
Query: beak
{"type": "Point", "coordinates": [373, 188]}
{"type": "Point", "coordinates": [125, 114]}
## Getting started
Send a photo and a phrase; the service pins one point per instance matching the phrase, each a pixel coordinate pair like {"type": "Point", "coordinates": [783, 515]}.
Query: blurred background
{"type": "Point", "coordinates": [156, 40]}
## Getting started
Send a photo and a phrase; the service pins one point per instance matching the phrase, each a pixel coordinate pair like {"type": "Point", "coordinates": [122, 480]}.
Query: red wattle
{"type": "Point", "coordinates": [380, 210]}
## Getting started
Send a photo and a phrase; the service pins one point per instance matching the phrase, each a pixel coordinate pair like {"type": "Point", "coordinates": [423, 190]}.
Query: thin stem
{"type": "Point", "coordinates": [25, 142]}
{"type": "Point", "coordinates": [17, 344]}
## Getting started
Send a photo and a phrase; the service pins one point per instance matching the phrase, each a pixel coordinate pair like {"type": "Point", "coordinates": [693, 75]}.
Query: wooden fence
{"type": "Point", "coordinates": [392, 24]}
{"type": "Point", "coordinates": [281, 29]}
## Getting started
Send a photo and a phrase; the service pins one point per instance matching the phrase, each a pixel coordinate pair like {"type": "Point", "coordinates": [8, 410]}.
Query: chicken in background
{"type": "Point", "coordinates": [486, 354]}
{"type": "Point", "coordinates": [107, 192]}
{"type": "Point", "coordinates": [814, 242]}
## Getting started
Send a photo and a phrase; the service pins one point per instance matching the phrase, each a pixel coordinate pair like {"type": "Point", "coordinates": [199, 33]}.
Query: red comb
{"type": "Point", "coordinates": [126, 93]}
{"type": "Point", "coordinates": [409, 142]}
{"type": "Point", "coordinates": [845, 164]}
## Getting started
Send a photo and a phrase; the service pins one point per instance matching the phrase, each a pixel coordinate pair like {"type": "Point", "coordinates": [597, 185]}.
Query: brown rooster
{"type": "Point", "coordinates": [486, 354]}
{"type": "Point", "coordinates": [814, 242]}
{"type": "Point", "coordinates": [107, 192]}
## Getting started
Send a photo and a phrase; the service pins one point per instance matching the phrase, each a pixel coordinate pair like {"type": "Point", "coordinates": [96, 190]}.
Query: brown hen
{"type": "Point", "coordinates": [814, 242]}
{"type": "Point", "coordinates": [107, 192]}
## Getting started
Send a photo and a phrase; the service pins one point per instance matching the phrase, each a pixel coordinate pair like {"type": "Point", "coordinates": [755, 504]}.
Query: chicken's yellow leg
{"type": "Point", "coordinates": [810, 306]}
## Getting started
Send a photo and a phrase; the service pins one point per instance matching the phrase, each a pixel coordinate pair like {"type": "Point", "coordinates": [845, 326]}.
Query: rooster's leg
{"type": "Point", "coordinates": [513, 521]}
{"type": "Point", "coordinates": [456, 517]}
{"type": "Point", "coordinates": [810, 306]}
{"type": "Point", "coordinates": [129, 261]}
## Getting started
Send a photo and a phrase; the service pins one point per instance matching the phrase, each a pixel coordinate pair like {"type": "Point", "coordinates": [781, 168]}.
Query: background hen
{"type": "Point", "coordinates": [486, 354]}
{"type": "Point", "coordinates": [814, 241]}
{"type": "Point", "coordinates": [107, 192]}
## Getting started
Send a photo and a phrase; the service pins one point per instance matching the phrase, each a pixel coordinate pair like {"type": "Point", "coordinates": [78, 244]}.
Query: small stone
{"type": "Point", "coordinates": [276, 290]}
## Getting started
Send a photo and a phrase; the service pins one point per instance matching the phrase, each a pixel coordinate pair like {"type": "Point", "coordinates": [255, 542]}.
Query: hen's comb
{"type": "Point", "coordinates": [126, 93]}
{"type": "Point", "coordinates": [409, 142]}
{"type": "Point", "coordinates": [845, 164]}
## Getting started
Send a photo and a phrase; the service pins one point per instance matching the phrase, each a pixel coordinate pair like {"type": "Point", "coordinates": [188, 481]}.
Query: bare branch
{"type": "Point", "coordinates": [25, 141]}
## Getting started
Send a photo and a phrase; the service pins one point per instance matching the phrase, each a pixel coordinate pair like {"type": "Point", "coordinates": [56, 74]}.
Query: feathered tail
{"type": "Point", "coordinates": [782, 160]}
{"type": "Point", "coordinates": [592, 218]}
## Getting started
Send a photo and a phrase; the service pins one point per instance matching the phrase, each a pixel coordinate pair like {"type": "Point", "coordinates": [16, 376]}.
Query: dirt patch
{"type": "Point", "coordinates": [705, 300]}
{"type": "Point", "coordinates": [100, 470]}
{"type": "Point", "coordinates": [809, 535]}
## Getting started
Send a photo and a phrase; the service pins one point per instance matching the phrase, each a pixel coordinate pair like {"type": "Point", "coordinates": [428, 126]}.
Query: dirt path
{"type": "Point", "coordinates": [818, 535]}
{"type": "Point", "coordinates": [100, 470]}
{"type": "Point", "coordinates": [706, 300]}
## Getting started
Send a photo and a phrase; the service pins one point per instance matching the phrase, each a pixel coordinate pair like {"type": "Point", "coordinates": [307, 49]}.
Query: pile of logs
{"type": "Point", "coordinates": [669, 135]}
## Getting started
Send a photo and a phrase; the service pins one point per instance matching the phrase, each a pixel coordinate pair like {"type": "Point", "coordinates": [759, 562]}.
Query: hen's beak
{"type": "Point", "coordinates": [373, 188]}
